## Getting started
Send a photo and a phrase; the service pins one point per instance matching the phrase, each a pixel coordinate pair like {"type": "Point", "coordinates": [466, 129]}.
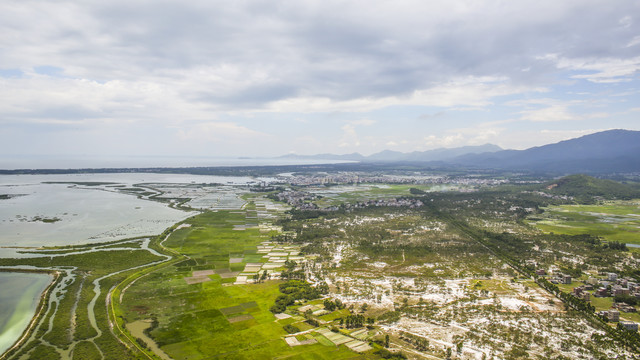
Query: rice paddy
{"type": "Point", "coordinates": [204, 306]}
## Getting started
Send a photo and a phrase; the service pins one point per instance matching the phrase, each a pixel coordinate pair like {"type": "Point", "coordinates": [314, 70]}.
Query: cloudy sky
{"type": "Point", "coordinates": [266, 78]}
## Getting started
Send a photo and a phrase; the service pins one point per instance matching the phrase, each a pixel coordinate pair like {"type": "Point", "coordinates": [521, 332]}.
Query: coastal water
{"type": "Point", "coordinates": [49, 210]}
{"type": "Point", "coordinates": [56, 214]}
{"type": "Point", "coordinates": [86, 162]}
{"type": "Point", "coordinates": [19, 297]}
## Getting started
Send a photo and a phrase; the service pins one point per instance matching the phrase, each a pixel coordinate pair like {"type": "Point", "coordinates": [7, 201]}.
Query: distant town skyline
{"type": "Point", "coordinates": [263, 79]}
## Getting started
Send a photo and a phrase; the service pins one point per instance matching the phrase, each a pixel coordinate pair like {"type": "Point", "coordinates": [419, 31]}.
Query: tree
{"type": "Point", "coordinates": [329, 305]}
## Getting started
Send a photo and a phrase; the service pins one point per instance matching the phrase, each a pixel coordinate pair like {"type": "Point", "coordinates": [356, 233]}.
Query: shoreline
{"type": "Point", "coordinates": [43, 302]}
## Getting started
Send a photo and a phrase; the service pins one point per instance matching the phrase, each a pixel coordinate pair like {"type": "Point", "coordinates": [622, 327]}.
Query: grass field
{"type": "Point", "coordinates": [613, 221]}
{"type": "Point", "coordinates": [215, 318]}
{"type": "Point", "coordinates": [336, 195]}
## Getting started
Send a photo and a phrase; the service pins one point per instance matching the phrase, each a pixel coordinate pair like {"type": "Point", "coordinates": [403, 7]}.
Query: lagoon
{"type": "Point", "coordinates": [77, 214]}
{"type": "Point", "coordinates": [19, 300]}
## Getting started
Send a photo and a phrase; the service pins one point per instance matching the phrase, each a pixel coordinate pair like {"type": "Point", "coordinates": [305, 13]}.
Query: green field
{"type": "Point", "coordinates": [613, 221]}
{"type": "Point", "coordinates": [336, 195]}
{"type": "Point", "coordinates": [215, 318]}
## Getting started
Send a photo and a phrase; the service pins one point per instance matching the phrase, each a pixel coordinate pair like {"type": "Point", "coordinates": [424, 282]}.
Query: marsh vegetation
{"type": "Point", "coordinates": [352, 271]}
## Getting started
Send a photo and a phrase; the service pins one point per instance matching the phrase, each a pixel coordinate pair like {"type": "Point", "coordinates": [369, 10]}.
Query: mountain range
{"type": "Point", "coordinates": [396, 156]}
{"type": "Point", "coordinates": [607, 151]}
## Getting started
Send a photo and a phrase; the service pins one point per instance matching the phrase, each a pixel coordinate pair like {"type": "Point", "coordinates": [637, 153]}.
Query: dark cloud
{"type": "Point", "coordinates": [336, 50]}
{"type": "Point", "coordinates": [165, 63]}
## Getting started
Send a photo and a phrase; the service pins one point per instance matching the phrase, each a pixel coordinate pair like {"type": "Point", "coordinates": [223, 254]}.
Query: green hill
{"type": "Point", "coordinates": [585, 187]}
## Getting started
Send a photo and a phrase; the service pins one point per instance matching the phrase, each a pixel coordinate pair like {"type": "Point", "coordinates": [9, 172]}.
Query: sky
{"type": "Point", "coordinates": [266, 78]}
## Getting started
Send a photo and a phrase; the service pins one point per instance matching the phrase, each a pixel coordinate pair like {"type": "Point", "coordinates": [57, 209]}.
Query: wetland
{"type": "Point", "coordinates": [399, 268]}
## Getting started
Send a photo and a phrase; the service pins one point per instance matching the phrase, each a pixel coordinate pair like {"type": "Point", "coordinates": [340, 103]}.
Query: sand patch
{"type": "Point", "coordinates": [226, 273]}
{"type": "Point", "coordinates": [278, 254]}
{"type": "Point", "coordinates": [282, 316]}
{"type": "Point", "coordinates": [199, 273]}
{"type": "Point", "coordinates": [292, 341]}
{"type": "Point", "coordinates": [196, 279]}
{"type": "Point", "coordinates": [335, 338]}
{"type": "Point", "coordinates": [271, 266]}
{"type": "Point", "coordinates": [358, 346]}
{"type": "Point", "coordinates": [239, 318]}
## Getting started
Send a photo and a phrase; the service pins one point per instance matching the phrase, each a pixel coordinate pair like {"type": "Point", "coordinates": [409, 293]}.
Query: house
{"type": "Point", "coordinates": [566, 279]}
{"type": "Point", "coordinates": [624, 307]}
{"type": "Point", "coordinates": [612, 276]}
{"type": "Point", "coordinates": [619, 290]}
{"type": "Point", "coordinates": [541, 272]}
{"type": "Point", "coordinates": [611, 315]}
{"type": "Point", "coordinates": [580, 293]}
{"type": "Point", "coordinates": [601, 292]}
{"type": "Point", "coordinates": [629, 325]}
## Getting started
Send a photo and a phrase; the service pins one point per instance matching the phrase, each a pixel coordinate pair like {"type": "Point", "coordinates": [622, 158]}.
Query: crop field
{"type": "Point", "coordinates": [613, 221]}
{"type": "Point", "coordinates": [194, 321]}
{"type": "Point", "coordinates": [336, 195]}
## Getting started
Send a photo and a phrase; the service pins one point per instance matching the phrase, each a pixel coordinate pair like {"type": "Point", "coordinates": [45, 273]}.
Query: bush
{"type": "Point", "coordinates": [291, 329]}
{"type": "Point", "coordinates": [386, 354]}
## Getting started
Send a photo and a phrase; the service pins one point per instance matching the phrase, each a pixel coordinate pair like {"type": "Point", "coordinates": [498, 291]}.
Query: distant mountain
{"type": "Point", "coordinates": [584, 187]}
{"type": "Point", "coordinates": [396, 156]}
{"type": "Point", "coordinates": [441, 154]}
{"type": "Point", "coordinates": [386, 155]}
{"type": "Point", "coordinates": [607, 151]}
{"type": "Point", "coordinates": [352, 157]}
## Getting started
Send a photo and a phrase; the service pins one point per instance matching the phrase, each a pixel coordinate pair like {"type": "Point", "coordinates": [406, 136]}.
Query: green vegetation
{"type": "Point", "coordinates": [216, 317]}
{"type": "Point", "coordinates": [585, 188]}
{"type": "Point", "coordinates": [371, 275]}
{"type": "Point", "coordinates": [70, 318]}
{"type": "Point", "coordinates": [613, 221]}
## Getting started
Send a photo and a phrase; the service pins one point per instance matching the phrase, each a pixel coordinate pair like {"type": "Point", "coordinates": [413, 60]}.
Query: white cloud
{"type": "Point", "coordinates": [363, 122]}
{"type": "Point", "coordinates": [463, 92]}
{"type": "Point", "coordinates": [604, 70]}
{"type": "Point", "coordinates": [626, 22]}
{"type": "Point", "coordinates": [213, 131]}
{"type": "Point", "coordinates": [635, 41]}
{"type": "Point", "coordinates": [209, 68]}
{"type": "Point", "coordinates": [551, 113]}
{"type": "Point", "coordinates": [446, 141]}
